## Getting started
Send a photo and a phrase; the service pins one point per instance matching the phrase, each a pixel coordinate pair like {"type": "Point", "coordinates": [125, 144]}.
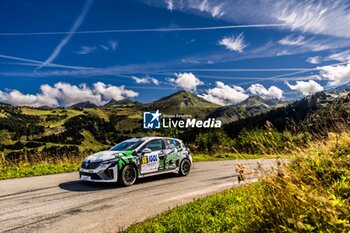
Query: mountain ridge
{"type": "Point", "coordinates": [253, 105]}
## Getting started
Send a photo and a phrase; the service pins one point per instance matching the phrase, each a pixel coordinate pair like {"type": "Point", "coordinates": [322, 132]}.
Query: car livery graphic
{"type": "Point", "coordinates": [136, 158]}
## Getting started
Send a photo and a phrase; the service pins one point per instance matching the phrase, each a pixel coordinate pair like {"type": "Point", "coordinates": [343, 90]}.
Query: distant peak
{"type": "Point", "coordinates": [86, 104]}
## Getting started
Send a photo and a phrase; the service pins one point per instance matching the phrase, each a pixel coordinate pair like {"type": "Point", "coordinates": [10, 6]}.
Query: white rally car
{"type": "Point", "coordinates": [136, 158]}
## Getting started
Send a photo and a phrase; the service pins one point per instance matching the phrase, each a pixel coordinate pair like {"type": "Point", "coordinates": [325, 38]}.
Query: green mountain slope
{"type": "Point", "coordinates": [86, 104]}
{"type": "Point", "coordinates": [122, 103]}
{"type": "Point", "coordinates": [252, 106]}
{"type": "Point", "coordinates": [318, 113]}
{"type": "Point", "coordinates": [183, 102]}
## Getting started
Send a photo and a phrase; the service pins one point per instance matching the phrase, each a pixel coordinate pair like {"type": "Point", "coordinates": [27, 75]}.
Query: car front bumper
{"type": "Point", "coordinates": [105, 175]}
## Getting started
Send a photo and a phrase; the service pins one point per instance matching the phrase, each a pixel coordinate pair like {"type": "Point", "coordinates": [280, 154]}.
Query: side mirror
{"type": "Point", "coordinates": [146, 150]}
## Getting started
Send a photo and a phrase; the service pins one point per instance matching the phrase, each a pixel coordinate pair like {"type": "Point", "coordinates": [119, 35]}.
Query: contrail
{"type": "Point", "coordinates": [37, 62]}
{"type": "Point", "coordinates": [248, 70]}
{"type": "Point", "coordinates": [69, 35]}
{"type": "Point", "coordinates": [141, 30]}
{"type": "Point", "coordinates": [298, 72]}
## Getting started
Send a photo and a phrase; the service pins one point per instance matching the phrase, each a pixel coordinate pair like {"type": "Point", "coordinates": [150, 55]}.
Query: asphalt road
{"type": "Point", "coordinates": [61, 203]}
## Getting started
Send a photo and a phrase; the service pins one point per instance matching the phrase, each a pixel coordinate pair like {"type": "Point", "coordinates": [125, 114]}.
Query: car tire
{"type": "Point", "coordinates": [128, 175]}
{"type": "Point", "coordinates": [185, 167]}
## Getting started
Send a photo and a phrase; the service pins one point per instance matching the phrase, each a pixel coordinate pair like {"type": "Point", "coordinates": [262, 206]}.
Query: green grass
{"type": "Point", "coordinates": [43, 114]}
{"type": "Point", "coordinates": [98, 112]}
{"type": "Point", "coordinates": [5, 137]}
{"type": "Point", "coordinates": [91, 143]}
{"type": "Point", "coordinates": [221, 212]}
{"type": "Point", "coordinates": [198, 157]}
{"type": "Point", "coordinates": [310, 194]}
{"type": "Point", "coordinates": [35, 112]}
{"type": "Point", "coordinates": [42, 168]}
{"type": "Point", "coordinates": [69, 165]}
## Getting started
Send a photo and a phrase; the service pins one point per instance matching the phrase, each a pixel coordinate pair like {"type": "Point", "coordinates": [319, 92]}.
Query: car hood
{"type": "Point", "coordinates": [103, 156]}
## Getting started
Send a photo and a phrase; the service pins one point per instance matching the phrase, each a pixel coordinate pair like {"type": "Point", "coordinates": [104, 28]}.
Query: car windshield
{"type": "Point", "coordinates": [130, 144]}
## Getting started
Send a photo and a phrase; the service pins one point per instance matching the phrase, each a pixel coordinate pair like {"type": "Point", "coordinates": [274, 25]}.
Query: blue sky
{"type": "Point", "coordinates": [64, 52]}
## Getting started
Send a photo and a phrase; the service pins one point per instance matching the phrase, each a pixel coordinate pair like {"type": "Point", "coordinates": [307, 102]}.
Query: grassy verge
{"type": "Point", "coordinates": [69, 165]}
{"type": "Point", "coordinates": [228, 156]}
{"type": "Point", "coordinates": [217, 213]}
{"type": "Point", "coordinates": [38, 169]}
{"type": "Point", "coordinates": [311, 194]}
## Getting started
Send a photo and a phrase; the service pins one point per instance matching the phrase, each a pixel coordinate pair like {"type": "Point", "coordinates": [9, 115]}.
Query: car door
{"type": "Point", "coordinates": [150, 162]}
{"type": "Point", "coordinates": [171, 154]}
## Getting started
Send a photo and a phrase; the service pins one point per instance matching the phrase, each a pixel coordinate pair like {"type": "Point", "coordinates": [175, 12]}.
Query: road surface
{"type": "Point", "coordinates": [61, 203]}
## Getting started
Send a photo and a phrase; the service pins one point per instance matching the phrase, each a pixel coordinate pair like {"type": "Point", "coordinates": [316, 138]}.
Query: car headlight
{"type": "Point", "coordinates": [107, 163]}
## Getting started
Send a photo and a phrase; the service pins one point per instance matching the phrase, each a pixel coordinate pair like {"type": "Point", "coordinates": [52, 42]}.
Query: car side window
{"type": "Point", "coordinates": [177, 144]}
{"type": "Point", "coordinates": [155, 145]}
{"type": "Point", "coordinates": [172, 143]}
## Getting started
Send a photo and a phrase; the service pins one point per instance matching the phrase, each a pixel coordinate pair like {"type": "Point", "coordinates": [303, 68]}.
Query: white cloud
{"type": "Point", "coordinates": [319, 17]}
{"type": "Point", "coordinates": [189, 60]}
{"type": "Point", "coordinates": [16, 97]}
{"type": "Point", "coordinates": [170, 5]}
{"type": "Point", "coordinates": [109, 92]}
{"type": "Point", "coordinates": [224, 94]}
{"type": "Point", "coordinates": [306, 88]}
{"type": "Point", "coordinates": [86, 50]}
{"type": "Point", "coordinates": [67, 94]}
{"type": "Point", "coordinates": [234, 43]}
{"type": "Point", "coordinates": [283, 53]}
{"type": "Point", "coordinates": [342, 56]}
{"type": "Point", "coordinates": [145, 80]}
{"type": "Point", "coordinates": [312, 16]}
{"type": "Point", "coordinates": [110, 45]}
{"type": "Point", "coordinates": [292, 41]}
{"type": "Point", "coordinates": [210, 7]}
{"type": "Point", "coordinates": [187, 81]}
{"type": "Point", "coordinates": [337, 74]}
{"type": "Point", "coordinates": [139, 80]}
{"type": "Point", "coordinates": [272, 92]}
{"type": "Point", "coordinates": [314, 60]}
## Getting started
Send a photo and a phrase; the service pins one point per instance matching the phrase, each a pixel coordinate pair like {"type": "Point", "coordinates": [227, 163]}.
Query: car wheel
{"type": "Point", "coordinates": [128, 175]}
{"type": "Point", "coordinates": [185, 167]}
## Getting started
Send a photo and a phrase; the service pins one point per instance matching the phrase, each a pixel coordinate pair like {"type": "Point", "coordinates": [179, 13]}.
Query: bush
{"type": "Point", "coordinates": [208, 141]}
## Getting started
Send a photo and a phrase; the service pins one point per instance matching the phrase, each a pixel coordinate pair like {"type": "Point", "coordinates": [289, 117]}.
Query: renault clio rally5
{"type": "Point", "coordinates": [135, 158]}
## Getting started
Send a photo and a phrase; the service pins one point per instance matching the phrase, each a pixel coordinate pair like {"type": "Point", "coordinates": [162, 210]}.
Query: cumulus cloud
{"type": "Point", "coordinates": [187, 81]}
{"type": "Point", "coordinates": [145, 80]}
{"type": "Point", "coordinates": [224, 94]}
{"type": "Point", "coordinates": [234, 43]}
{"type": "Point", "coordinates": [314, 60]}
{"type": "Point", "coordinates": [337, 75]}
{"type": "Point", "coordinates": [67, 94]}
{"type": "Point", "coordinates": [272, 92]}
{"type": "Point", "coordinates": [292, 41]}
{"type": "Point", "coordinates": [16, 97]}
{"type": "Point", "coordinates": [306, 88]}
